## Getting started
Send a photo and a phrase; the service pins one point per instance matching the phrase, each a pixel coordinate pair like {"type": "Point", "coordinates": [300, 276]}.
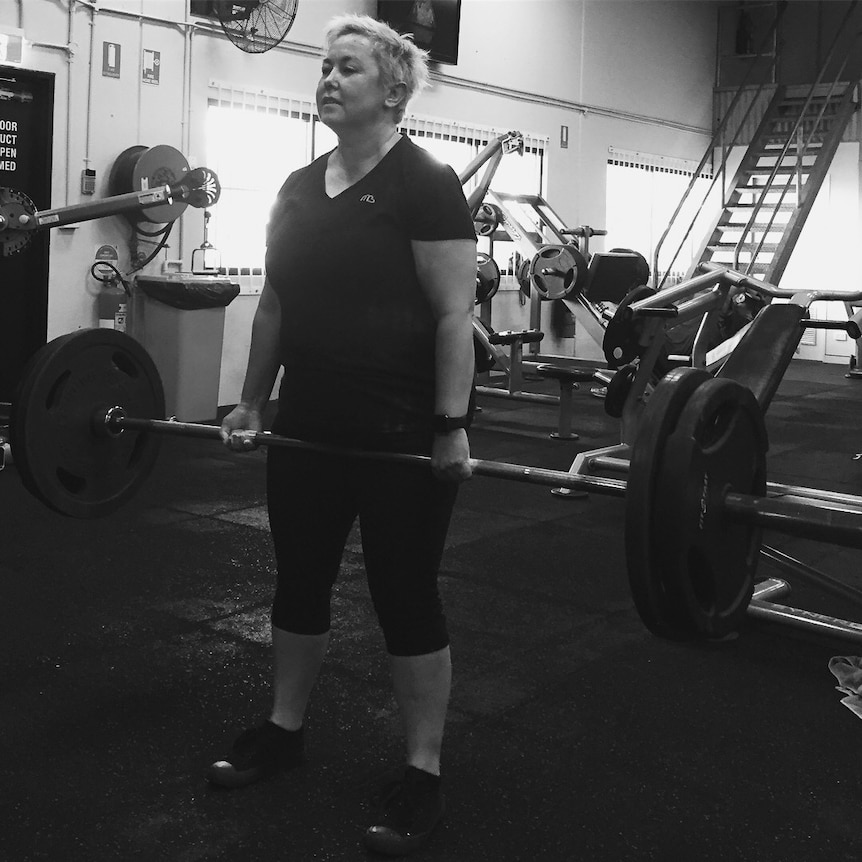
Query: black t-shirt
{"type": "Point", "coordinates": [357, 334]}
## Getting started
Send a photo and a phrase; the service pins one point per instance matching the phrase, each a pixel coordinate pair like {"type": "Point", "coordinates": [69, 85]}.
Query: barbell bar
{"type": "Point", "coordinates": [818, 519]}
{"type": "Point", "coordinates": [84, 439]}
{"type": "Point", "coordinates": [115, 421]}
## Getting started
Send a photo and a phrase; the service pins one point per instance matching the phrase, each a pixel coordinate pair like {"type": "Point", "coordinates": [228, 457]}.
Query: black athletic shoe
{"type": "Point", "coordinates": [407, 812]}
{"type": "Point", "coordinates": [258, 753]}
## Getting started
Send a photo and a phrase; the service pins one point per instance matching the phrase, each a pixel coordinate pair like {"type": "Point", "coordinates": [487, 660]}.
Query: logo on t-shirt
{"type": "Point", "coordinates": [368, 199]}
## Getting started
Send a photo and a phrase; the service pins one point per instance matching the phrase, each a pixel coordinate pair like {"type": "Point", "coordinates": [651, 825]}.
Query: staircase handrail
{"type": "Point", "coordinates": [790, 136]}
{"type": "Point", "coordinates": [780, 8]}
{"type": "Point", "coordinates": [727, 147]}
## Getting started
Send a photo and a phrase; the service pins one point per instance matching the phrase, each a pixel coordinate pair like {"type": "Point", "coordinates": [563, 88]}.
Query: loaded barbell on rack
{"type": "Point", "coordinates": [85, 432]}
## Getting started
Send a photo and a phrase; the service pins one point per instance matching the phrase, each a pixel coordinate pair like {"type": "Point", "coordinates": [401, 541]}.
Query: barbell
{"type": "Point", "coordinates": [85, 435]}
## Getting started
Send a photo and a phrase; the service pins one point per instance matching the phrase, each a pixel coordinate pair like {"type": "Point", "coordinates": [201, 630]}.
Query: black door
{"type": "Point", "coordinates": [26, 132]}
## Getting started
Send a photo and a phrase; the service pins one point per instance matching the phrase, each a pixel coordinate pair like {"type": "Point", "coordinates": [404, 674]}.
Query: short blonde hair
{"type": "Point", "coordinates": [400, 60]}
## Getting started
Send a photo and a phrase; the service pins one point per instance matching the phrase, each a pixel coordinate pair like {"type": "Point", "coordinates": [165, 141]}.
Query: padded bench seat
{"type": "Point", "coordinates": [512, 336]}
{"type": "Point", "coordinates": [568, 377]}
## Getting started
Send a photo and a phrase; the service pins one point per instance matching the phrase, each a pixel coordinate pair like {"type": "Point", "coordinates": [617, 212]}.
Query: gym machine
{"type": "Point", "coordinates": [549, 259]}
{"type": "Point", "coordinates": [164, 201]}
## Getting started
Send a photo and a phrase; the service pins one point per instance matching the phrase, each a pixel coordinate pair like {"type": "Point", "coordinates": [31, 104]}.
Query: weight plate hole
{"type": "Point", "coordinates": [702, 579]}
{"type": "Point", "coordinates": [136, 451]}
{"type": "Point", "coordinates": [717, 427]}
{"type": "Point", "coordinates": [124, 364]}
{"type": "Point", "coordinates": [73, 484]}
{"type": "Point", "coordinates": [55, 393]}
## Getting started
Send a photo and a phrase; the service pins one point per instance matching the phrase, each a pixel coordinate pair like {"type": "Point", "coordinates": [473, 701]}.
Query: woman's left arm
{"type": "Point", "coordinates": [447, 273]}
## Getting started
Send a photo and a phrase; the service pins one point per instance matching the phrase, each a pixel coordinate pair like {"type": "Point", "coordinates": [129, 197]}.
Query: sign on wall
{"type": "Point", "coordinates": [152, 63]}
{"type": "Point", "coordinates": [111, 52]}
{"type": "Point", "coordinates": [26, 133]}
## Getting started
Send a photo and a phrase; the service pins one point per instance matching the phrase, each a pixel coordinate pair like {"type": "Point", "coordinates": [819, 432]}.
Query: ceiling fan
{"type": "Point", "coordinates": [255, 26]}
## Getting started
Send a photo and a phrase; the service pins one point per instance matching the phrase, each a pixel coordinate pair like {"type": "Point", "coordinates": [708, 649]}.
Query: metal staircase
{"type": "Point", "coordinates": [761, 211]}
{"type": "Point", "coordinates": [778, 179]}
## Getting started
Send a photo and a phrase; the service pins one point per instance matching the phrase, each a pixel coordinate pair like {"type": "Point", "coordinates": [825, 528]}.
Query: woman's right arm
{"type": "Point", "coordinates": [263, 365]}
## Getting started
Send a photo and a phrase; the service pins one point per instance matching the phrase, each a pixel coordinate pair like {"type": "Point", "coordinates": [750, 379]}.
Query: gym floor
{"type": "Point", "coordinates": [133, 648]}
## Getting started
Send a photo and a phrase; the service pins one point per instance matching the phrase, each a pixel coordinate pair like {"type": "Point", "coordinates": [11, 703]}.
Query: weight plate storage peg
{"type": "Point", "coordinates": [656, 600]}
{"type": "Point", "coordinates": [708, 560]}
{"type": "Point", "coordinates": [64, 460]}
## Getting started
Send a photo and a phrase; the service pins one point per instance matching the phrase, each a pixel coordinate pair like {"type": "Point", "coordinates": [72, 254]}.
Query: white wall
{"type": "Point", "coordinates": [824, 254]}
{"type": "Point", "coordinates": [633, 74]}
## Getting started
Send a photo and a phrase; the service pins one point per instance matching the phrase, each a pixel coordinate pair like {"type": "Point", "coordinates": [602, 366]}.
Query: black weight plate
{"type": "Point", "coordinates": [618, 390]}
{"type": "Point", "coordinates": [487, 277]}
{"type": "Point", "coordinates": [161, 165]}
{"type": "Point", "coordinates": [523, 277]}
{"type": "Point", "coordinates": [622, 334]}
{"type": "Point", "coordinates": [62, 458]}
{"type": "Point", "coordinates": [487, 220]}
{"type": "Point", "coordinates": [719, 445]}
{"type": "Point", "coordinates": [557, 271]}
{"type": "Point", "coordinates": [657, 604]}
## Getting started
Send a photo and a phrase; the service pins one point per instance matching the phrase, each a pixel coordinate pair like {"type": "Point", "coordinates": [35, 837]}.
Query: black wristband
{"type": "Point", "coordinates": [443, 423]}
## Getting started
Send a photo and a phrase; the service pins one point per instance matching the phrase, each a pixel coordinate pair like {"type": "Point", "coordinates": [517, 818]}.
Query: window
{"type": "Point", "coordinates": [252, 159]}
{"type": "Point", "coordinates": [255, 139]}
{"type": "Point", "coordinates": [642, 193]}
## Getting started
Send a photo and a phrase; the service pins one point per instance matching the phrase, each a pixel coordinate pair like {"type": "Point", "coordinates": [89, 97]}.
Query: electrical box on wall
{"type": "Point", "coordinates": [88, 181]}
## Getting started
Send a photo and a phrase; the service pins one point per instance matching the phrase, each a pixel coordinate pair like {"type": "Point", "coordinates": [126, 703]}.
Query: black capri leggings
{"type": "Point", "coordinates": [404, 515]}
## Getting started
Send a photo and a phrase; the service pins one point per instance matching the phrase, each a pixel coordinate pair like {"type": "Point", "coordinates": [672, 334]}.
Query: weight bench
{"type": "Point", "coordinates": [568, 379]}
{"type": "Point", "coordinates": [488, 346]}
{"type": "Point", "coordinates": [515, 341]}
{"type": "Point", "coordinates": [761, 358]}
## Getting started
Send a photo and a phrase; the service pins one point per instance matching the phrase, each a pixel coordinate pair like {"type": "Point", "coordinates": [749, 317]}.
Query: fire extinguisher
{"type": "Point", "coordinates": [113, 304]}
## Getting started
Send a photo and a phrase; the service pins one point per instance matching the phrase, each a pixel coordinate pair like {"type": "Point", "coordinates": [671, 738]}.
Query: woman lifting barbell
{"type": "Point", "coordinates": [380, 231]}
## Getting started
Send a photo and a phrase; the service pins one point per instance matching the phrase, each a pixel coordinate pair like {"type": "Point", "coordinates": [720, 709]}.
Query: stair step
{"type": "Point", "coordinates": [789, 124]}
{"type": "Point", "coordinates": [775, 189]}
{"type": "Point", "coordinates": [805, 165]}
{"type": "Point", "coordinates": [783, 171]}
{"type": "Point", "coordinates": [779, 141]}
{"type": "Point", "coordinates": [771, 148]}
{"type": "Point", "coordinates": [759, 226]}
{"type": "Point", "coordinates": [782, 207]}
{"type": "Point", "coordinates": [766, 248]}
{"type": "Point", "coordinates": [814, 112]}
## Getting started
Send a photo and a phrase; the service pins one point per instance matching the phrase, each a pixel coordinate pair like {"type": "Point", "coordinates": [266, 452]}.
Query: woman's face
{"type": "Point", "coordinates": [351, 91]}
